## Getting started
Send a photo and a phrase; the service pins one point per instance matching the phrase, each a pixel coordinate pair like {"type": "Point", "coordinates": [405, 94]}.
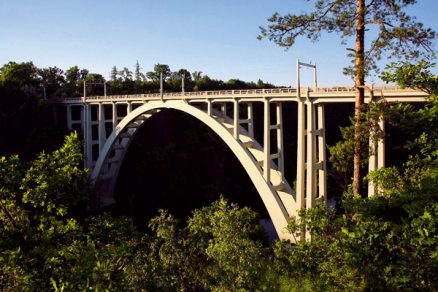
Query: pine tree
{"type": "Point", "coordinates": [398, 33]}
{"type": "Point", "coordinates": [137, 73]}
{"type": "Point", "coordinates": [114, 73]}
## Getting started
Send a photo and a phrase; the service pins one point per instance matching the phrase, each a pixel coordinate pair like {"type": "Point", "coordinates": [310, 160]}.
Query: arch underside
{"type": "Point", "coordinates": [279, 202]}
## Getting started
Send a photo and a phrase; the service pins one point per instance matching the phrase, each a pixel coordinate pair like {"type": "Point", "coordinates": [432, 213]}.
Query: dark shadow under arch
{"type": "Point", "coordinates": [178, 163]}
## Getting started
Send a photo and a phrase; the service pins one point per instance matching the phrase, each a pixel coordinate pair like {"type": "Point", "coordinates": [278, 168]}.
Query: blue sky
{"type": "Point", "coordinates": [215, 37]}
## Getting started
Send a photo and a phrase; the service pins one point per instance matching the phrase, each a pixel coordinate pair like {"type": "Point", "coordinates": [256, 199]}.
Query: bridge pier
{"type": "Point", "coordinates": [301, 156]}
{"type": "Point", "coordinates": [376, 158]}
{"type": "Point", "coordinates": [311, 182]}
{"type": "Point", "coordinates": [322, 155]}
{"type": "Point", "coordinates": [267, 140]}
{"type": "Point", "coordinates": [89, 136]}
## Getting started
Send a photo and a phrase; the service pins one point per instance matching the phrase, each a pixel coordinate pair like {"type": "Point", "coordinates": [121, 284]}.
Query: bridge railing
{"type": "Point", "coordinates": [223, 93]}
{"type": "Point", "coordinates": [386, 87]}
{"type": "Point", "coordinates": [229, 93]}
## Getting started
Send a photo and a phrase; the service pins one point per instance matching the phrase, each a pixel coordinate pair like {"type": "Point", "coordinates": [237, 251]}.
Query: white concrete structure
{"type": "Point", "coordinates": [109, 123]}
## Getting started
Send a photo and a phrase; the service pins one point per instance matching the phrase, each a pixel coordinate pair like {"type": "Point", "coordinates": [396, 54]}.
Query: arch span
{"type": "Point", "coordinates": [273, 203]}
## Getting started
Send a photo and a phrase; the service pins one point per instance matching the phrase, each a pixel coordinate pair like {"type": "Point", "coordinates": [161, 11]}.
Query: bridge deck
{"type": "Point", "coordinates": [338, 94]}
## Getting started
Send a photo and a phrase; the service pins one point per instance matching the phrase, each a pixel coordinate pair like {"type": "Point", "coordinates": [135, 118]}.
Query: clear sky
{"type": "Point", "coordinates": [215, 37]}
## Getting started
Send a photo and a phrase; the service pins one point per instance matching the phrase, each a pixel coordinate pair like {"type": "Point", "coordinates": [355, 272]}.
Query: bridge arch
{"type": "Point", "coordinates": [269, 196]}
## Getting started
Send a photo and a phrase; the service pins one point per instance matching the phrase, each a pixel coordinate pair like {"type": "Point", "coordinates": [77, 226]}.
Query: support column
{"type": "Point", "coordinates": [372, 163]}
{"type": "Point", "coordinates": [128, 108]}
{"type": "Point", "coordinates": [209, 107]}
{"type": "Point", "coordinates": [114, 109]}
{"type": "Point", "coordinates": [267, 141]}
{"type": "Point", "coordinates": [376, 158]}
{"type": "Point", "coordinates": [322, 172]}
{"type": "Point", "coordinates": [224, 109]}
{"type": "Point", "coordinates": [250, 120]}
{"type": "Point", "coordinates": [381, 144]}
{"type": "Point", "coordinates": [101, 133]}
{"type": "Point", "coordinates": [301, 166]}
{"type": "Point", "coordinates": [69, 120]}
{"type": "Point", "coordinates": [236, 119]}
{"type": "Point", "coordinates": [88, 139]}
{"type": "Point", "coordinates": [55, 114]}
{"type": "Point", "coordinates": [311, 157]}
{"type": "Point", "coordinates": [280, 145]}
{"type": "Point", "coordinates": [83, 122]}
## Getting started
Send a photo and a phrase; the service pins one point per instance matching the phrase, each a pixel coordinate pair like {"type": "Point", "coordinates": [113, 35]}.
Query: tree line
{"type": "Point", "coordinates": [53, 82]}
{"type": "Point", "coordinates": [27, 122]}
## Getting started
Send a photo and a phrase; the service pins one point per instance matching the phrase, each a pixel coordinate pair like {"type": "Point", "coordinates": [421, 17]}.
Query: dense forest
{"type": "Point", "coordinates": [198, 225]}
{"type": "Point", "coordinates": [50, 241]}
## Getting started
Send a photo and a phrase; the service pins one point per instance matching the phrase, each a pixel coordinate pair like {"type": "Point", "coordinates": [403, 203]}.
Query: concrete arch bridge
{"type": "Point", "coordinates": [109, 123]}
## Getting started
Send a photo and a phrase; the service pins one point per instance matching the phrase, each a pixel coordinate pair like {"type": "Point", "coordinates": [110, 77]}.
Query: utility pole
{"type": "Point", "coordinates": [85, 90]}
{"type": "Point", "coordinates": [161, 85]}
{"type": "Point", "coordinates": [183, 76]}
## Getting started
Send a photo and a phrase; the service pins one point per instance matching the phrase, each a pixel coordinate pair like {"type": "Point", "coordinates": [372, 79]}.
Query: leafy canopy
{"type": "Point", "coordinates": [397, 33]}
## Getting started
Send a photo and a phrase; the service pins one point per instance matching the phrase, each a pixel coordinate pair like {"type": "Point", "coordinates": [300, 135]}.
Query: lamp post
{"type": "Point", "coordinates": [161, 86]}
{"type": "Point", "coordinates": [183, 76]}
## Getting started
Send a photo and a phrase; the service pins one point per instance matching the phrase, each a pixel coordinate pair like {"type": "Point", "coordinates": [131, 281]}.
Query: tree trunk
{"type": "Point", "coordinates": [360, 82]}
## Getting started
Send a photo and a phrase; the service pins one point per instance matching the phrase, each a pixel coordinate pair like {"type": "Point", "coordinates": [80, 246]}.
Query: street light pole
{"type": "Point", "coordinates": [183, 76]}
{"type": "Point", "coordinates": [299, 64]}
{"type": "Point", "coordinates": [161, 85]}
{"type": "Point", "coordinates": [85, 89]}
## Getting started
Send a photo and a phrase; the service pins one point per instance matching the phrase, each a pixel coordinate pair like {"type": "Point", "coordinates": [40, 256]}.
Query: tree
{"type": "Point", "coordinates": [137, 73]}
{"type": "Point", "coordinates": [34, 203]}
{"type": "Point", "coordinates": [51, 79]}
{"type": "Point", "coordinates": [387, 241]}
{"type": "Point", "coordinates": [114, 73]}
{"type": "Point", "coordinates": [126, 74]}
{"type": "Point", "coordinates": [206, 83]}
{"type": "Point", "coordinates": [72, 74]}
{"type": "Point", "coordinates": [261, 84]}
{"type": "Point", "coordinates": [83, 74]}
{"type": "Point", "coordinates": [412, 75]}
{"type": "Point", "coordinates": [18, 74]}
{"type": "Point", "coordinates": [236, 84]}
{"type": "Point", "coordinates": [217, 250]}
{"type": "Point", "coordinates": [158, 69]}
{"type": "Point", "coordinates": [398, 33]}
{"type": "Point", "coordinates": [197, 75]}
{"type": "Point", "coordinates": [186, 74]}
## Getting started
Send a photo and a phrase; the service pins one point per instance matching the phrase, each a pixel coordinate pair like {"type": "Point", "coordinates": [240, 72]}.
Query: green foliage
{"type": "Point", "coordinates": [341, 154]}
{"type": "Point", "coordinates": [385, 242]}
{"type": "Point", "coordinates": [159, 69]}
{"type": "Point", "coordinates": [226, 235]}
{"type": "Point", "coordinates": [215, 251]}
{"type": "Point", "coordinates": [42, 248]}
{"type": "Point", "coordinates": [18, 74]}
{"type": "Point", "coordinates": [398, 34]}
{"type": "Point", "coordinates": [412, 75]}
{"type": "Point", "coordinates": [35, 229]}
